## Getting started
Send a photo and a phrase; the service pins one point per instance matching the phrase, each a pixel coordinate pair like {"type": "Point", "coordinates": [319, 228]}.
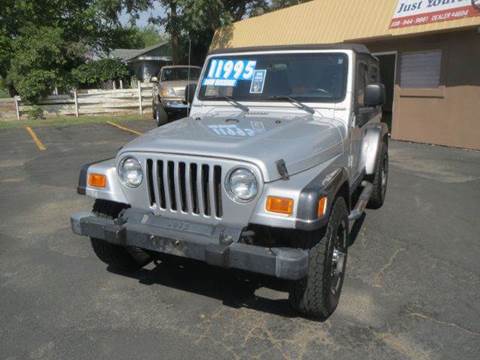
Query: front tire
{"type": "Point", "coordinates": [318, 294]}
{"type": "Point", "coordinates": [118, 257]}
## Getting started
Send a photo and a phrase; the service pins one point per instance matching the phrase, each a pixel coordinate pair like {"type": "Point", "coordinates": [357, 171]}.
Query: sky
{"type": "Point", "coordinates": [143, 21]}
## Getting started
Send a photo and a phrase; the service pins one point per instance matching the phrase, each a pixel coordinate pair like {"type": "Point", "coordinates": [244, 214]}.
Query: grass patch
{"type": "Point", "coordinates": [68, 121]}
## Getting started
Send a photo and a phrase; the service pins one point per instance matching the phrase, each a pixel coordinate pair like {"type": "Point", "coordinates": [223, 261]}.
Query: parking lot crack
{"type": "Point", "coordinates": [403, 346]}
{"type": "Point", "coordinates": [446, 323]}
{"type": "Point", "coordinates": [379, 276]}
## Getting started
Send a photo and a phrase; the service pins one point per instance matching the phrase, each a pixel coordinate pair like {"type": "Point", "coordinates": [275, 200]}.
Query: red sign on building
{"type": "Point", "coordinates": [419, 12]}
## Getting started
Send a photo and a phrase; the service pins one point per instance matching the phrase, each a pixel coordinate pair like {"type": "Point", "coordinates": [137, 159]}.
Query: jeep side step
{"type": "Point", "coordinates": [362, 202]}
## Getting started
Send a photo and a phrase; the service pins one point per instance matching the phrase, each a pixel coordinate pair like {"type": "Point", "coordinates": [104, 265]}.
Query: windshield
{"type": "Point", "coordinates": [309, 77]}
{"type": "Point", "coordinates": [181, 73]}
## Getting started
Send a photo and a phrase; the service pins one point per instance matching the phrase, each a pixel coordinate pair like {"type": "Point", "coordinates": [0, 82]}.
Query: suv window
{"type": "Point", "coordinates": [182, 73]}
{"type": "Point", "coordinates": [315, 77]}
{"type": "Point", "coordinates": [362, 81]}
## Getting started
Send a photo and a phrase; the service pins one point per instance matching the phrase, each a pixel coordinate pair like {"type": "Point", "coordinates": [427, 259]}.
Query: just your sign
{"type": "Point", "coordinates": [419, 12]}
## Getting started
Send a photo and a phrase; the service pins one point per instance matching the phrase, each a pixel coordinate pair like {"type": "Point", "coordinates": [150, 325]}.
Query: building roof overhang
{"type": "Point", "coordinates": [358, 48]}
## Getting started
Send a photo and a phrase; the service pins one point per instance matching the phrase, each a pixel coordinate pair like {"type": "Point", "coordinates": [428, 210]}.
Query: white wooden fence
{"type": "Point", "coordinates": [94, 102]}
{"type": "Point", "coordinates": [8, 109]}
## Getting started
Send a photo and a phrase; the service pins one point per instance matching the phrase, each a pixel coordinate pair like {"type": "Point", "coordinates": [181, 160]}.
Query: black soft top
{"type": "Point", "coordinates": [358, 48]}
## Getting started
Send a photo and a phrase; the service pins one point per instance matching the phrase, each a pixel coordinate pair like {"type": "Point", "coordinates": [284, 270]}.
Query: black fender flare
{"type": "Point", "coordinates": [372, 146]}
{"type": "Point", "coordinates": [325, 184]}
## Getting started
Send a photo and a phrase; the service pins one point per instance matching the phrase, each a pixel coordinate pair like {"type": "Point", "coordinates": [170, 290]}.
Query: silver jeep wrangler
{"type": "Point", "coordinates": [283, 150]}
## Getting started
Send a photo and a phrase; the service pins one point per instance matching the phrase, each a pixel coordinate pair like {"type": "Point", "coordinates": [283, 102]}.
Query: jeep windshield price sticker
{"type": "Point", "coordinates": [226, 72]}
{"type": "Point", "coordinates": [419, 12]}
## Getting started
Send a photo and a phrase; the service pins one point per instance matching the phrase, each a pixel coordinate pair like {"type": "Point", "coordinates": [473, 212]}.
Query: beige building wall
{"type": "Point", "coordinates": [327, 21]}
{"type": "Point", "coordinates": [448, 115]}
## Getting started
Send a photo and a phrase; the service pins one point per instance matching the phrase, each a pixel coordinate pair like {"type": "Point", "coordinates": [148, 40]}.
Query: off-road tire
{"type": "Point", "coordinates": [118, 257]}
{"type": "Point", "coordinates": [379, 189]}
{"type": "Point", "coordinates": [312, 296]}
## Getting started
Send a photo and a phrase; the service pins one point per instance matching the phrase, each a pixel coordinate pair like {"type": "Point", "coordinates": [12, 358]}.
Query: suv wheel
{"type": "Point", "coordinates": [118, 257]}
{"type": "Point", "coordinates": [380, 180]}
{"type": "Point", "coordinates": [318, 294]}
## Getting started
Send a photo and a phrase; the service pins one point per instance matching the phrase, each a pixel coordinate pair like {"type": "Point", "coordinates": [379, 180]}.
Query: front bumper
{"type": "Point", "coordinates": [216, 245]}
{"type": "Point", "coordinates": [174, 105]}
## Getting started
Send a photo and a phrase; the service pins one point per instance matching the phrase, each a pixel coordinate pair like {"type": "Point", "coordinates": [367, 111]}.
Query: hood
{"type": "Point", "coordinates": [302, 142]}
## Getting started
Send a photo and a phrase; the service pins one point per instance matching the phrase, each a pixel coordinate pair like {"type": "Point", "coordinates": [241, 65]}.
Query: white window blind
{"type": "Point", "coordinates": [420, 69]}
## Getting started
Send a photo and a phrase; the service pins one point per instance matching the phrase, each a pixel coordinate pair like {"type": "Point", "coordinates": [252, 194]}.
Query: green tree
{"type": "Point", "coordinates": [134, 37]}
{"type": "Point", "coordinates": [41, 41]}
{"type": "Point", "coordinates": [196, 21]}
{"type": "Point", "coordinates": [279, 4]}
{"type": "Point", "coordinates": [41, 61]}
{"type": "Point", "coordinates": [150, 35]}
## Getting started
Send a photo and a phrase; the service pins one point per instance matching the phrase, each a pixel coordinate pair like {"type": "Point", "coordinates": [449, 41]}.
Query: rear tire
{"type": "Point", "coordinates": [118, 257]}
{"type": "Point", "coordinates": [380, 180]}
{"type": "Point", "coordinates": [318, 294]}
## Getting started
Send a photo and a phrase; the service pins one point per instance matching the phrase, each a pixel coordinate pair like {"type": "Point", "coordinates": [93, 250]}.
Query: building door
{"type": "Point", "coordinates": [388, 66]}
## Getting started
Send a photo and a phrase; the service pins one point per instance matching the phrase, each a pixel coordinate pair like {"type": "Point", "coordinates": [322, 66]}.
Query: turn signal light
{"type": "Point", "coordinates": [322, 207]}
{"type": "Point", "coordinates": [280, 205]}
{"type": "Point", "coordinates": [97, 180]}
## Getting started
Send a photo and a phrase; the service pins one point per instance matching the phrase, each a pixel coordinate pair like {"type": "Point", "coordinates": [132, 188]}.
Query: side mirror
{"type": "Point", "coordinates": [190, 93]}
{"type": "Point", "coordinates": [154, 79]}
{"type": "Point", "coordinates": [374, 95]}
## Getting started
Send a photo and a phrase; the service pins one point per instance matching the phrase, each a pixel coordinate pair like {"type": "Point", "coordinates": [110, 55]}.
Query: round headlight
{"type": "Point", "coordinates": [242, 184]}
{"type": "Point", "coordinates": [130, 172]}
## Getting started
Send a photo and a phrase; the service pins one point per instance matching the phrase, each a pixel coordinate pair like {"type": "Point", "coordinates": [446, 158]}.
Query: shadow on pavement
{"type": "Point", "coordinates": [234, 288]}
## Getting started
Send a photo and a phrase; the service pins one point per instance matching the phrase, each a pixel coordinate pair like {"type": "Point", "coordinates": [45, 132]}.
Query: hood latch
{"type": "Point", "coordinates": [282, 169]}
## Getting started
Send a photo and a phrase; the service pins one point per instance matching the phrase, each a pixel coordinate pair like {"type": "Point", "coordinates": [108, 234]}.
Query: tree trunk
{"type": "Point", "coordinates": [175, 33]}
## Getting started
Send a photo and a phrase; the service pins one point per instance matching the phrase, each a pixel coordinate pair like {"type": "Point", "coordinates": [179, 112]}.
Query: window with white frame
{"type": "Point", "coordinates": [421, 69]}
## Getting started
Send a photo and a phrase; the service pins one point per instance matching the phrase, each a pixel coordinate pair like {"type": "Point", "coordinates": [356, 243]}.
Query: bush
{"type": "Point", "coordinates": [96, 72]}
{"type": "Point", "coordinates": [35, 113]}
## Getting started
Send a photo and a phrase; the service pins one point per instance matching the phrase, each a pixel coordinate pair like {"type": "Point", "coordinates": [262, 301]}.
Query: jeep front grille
{"type": "Point", "coordinates": [185, 187]}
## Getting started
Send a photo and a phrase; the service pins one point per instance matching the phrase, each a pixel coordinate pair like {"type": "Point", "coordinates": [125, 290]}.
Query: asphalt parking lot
{"type": "Point", "coordinates": [412, 289]}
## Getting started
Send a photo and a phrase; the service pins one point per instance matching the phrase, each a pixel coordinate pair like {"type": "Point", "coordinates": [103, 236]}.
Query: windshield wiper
{"type": "Point", "coordinates": [231, 101]}
{"type": "Point", "coordinates": [294, 101]}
